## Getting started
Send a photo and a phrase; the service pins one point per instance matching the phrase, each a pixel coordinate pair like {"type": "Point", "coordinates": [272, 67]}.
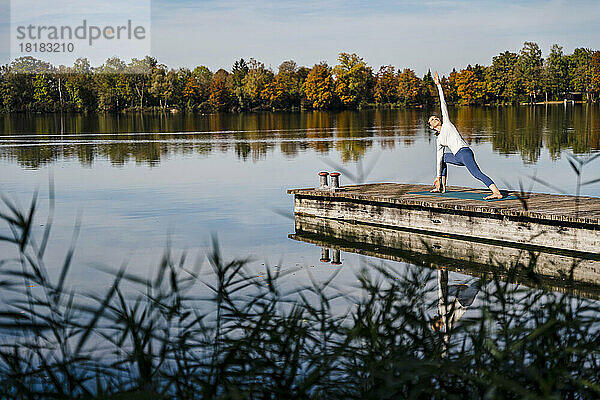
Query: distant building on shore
{"type": "Point", "coordinates": [573, 96]}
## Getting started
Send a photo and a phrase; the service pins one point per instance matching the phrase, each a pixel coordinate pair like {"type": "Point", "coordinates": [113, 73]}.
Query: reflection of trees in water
{"type": "Point", "coordinates": [242, 150]}
{"type": "Point", "coordinates": [388, 144]}
{"type": "Point", "coordinates": [525, 130]}
{"type": "Point", "coordinates": [511, 130]}
{"type": "Point", "coordinates": [404, 122]}
{"type": "Point", "coordinates": [319, 125]}
{"type": "Point", "coordinates": [291, 149]}
{"type": "Point", "coordinates": [119, 152]}
{"type": "Point", "coordinates": [468, 121]}
{"type": "Point", "coordinates": [352, 125]}
{"type": "Point", "coordinates": [585, 132]}
{"type": "Point", "coordinates": [250, 134]}
{"type": "Point", "coordinates": [519, 130]}
{"type": "Point", "coordinates": [37, 156]}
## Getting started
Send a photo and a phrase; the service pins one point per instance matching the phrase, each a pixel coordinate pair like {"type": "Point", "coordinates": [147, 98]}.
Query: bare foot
{"type": "Point", "coordinates": [493, 196]}
{"type": "Point", "coordinates": [435, 190]}
{"type": "Point", "coordinates": [495, 193]}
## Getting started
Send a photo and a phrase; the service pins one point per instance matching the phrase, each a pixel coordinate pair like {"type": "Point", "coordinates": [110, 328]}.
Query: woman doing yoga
{"type": "Point", "coordinates": [448, 136]}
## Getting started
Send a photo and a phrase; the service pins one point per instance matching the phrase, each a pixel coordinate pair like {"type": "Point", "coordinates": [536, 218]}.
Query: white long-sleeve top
{"type": "Point", "coordinates": [448, 136]}
{"type": "Point", "coordinates": [453, 301]}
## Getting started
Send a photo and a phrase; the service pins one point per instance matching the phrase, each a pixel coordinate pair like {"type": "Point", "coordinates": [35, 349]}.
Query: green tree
{"type": "Point", "coordinates": [409, 87]}
{"type": "Point", "coordinates": [220, 91]}
{"type": "Point", "coordinates": [82, 66]}
{"type": "Point", "coordinates": [238, 73]}
{"type": "Point", "coordinates": [112, 87]}
{"type": "Point", "coordinates": [352, 81]}
{"type": "Point", "coordinates": [80, 93]}
{"type": "Point", "coordinates": [19, 81]}
{"type": "Point", "coordinates": [59, 79]}
{"type": "Point", "coordinates": [302, 74]}
{"type": "Point", "coordinates": [79, 86]}
{"type": "Point", "coordinates": [180, 78]}
{"type": "Point", "coordinates": [197, 87]}
{"type": "Point", "coordinates": [449, 86]}
{"type": "Point", "coordinates": [319, 87]}
{"type": "Point", "coordinates": [386, 86]}
{"type": "Point", "coordinates": [42, 93]}
{"type": "Point", "coordinates": [139, 77]}
{"type": "Point", "coordinates": [19, 92]}
{"type": "Point", "coordinates": [4, 88]}
{"type": "Point", "coordinates": [529, 67]}
{"type": "Point", "coordinates": [470, 85]}
{"type": "Point", "coordinates": [113, 65]}
{"type": "Point", "coordinates": [30, 65]}
{"type": "Point", "coordinates": [502, 83]}
{"type": "Point", "coordinates": [254, 84]}
{"type": "Point", "coordinates": [203, 76]}
{"type": "Point", "coordinates": [191, 92]}
{"type": "Point", "coordinates": [595, 74]}
{"type": "Point", "coordinates": [556, 72]}
{"type": "Point", "coordinates": [163, 85]}
{"type": "Point", "coordinates": [580, 71]}
{"type": "Point", "coordinates": [285, 90]}
{"type": "Point", "coordinates": [429, 92]}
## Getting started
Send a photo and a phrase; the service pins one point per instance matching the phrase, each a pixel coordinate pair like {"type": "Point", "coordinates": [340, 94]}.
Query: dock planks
{"type": "Point", "coordinates": [539, 205]}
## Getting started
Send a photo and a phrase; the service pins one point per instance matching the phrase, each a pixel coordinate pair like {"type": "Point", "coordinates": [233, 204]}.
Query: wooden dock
{"type": "Point", "coordinates": [536, 221]}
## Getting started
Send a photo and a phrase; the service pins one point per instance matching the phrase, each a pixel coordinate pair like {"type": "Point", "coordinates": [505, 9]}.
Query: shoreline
{"type": "Point", "coordinates": [175, 111]}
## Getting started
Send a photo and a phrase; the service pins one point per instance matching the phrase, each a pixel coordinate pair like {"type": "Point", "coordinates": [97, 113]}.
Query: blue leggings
{"type": "Point", "coordinates": [465, 157]}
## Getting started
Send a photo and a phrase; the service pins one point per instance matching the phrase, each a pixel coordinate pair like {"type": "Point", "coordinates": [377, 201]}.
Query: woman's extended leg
{"type": "Point", "coordinates": [468, 159]}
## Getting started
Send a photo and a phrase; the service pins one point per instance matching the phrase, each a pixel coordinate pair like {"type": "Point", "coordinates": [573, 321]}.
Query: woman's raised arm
{"type": "Point", "coordinates": [443, 106]}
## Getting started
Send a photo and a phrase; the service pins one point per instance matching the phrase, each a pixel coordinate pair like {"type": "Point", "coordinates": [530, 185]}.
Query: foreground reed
{"type": "Point", "coordinates": [250, 338]}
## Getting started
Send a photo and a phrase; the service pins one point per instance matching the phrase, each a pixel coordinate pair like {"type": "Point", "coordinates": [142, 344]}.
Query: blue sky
{"type": "Point", "coordinates": [436, 34]}
{"type": "Point", "coordinates": [425, 34]}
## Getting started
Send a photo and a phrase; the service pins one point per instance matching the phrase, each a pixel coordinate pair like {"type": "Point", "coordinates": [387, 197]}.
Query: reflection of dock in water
{"type": "Point", "coordinates": [473, 257]}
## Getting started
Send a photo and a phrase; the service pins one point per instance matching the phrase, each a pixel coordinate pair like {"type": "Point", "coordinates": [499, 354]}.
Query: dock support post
{"type": "Point", "coordinates": [336, 257]}
{"type": "Point", "coordinates": [335, 180]}
{"type": "Point", "coordinates": [324, 180]}
{"type": "Point", "coordinates": [325, 255]}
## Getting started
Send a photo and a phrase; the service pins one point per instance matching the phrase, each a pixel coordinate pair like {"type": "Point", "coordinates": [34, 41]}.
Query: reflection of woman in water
{"type": "Point", "coordinates": [453, 301]}
{"type": "Point", "coordinates": [448, 136]}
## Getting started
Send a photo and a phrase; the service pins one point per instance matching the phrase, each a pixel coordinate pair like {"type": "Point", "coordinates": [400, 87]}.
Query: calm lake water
{"type": "Point", "coordinates": [139, 182]}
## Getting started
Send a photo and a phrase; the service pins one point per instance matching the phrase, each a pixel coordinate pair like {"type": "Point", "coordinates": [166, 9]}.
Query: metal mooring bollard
{"type": "Point", "coordinates": [325, 254]}
{"type": "Point", "coordinates": [323, 180]}
{"type": "Point", "coordinates": [335, 180]}
{"type": "Point", "coordinates": [336, 257]}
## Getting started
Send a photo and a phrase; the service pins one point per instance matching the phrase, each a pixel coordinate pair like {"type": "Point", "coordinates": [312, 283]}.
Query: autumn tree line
{"type": "Point", "coordinates": [31, 85]}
